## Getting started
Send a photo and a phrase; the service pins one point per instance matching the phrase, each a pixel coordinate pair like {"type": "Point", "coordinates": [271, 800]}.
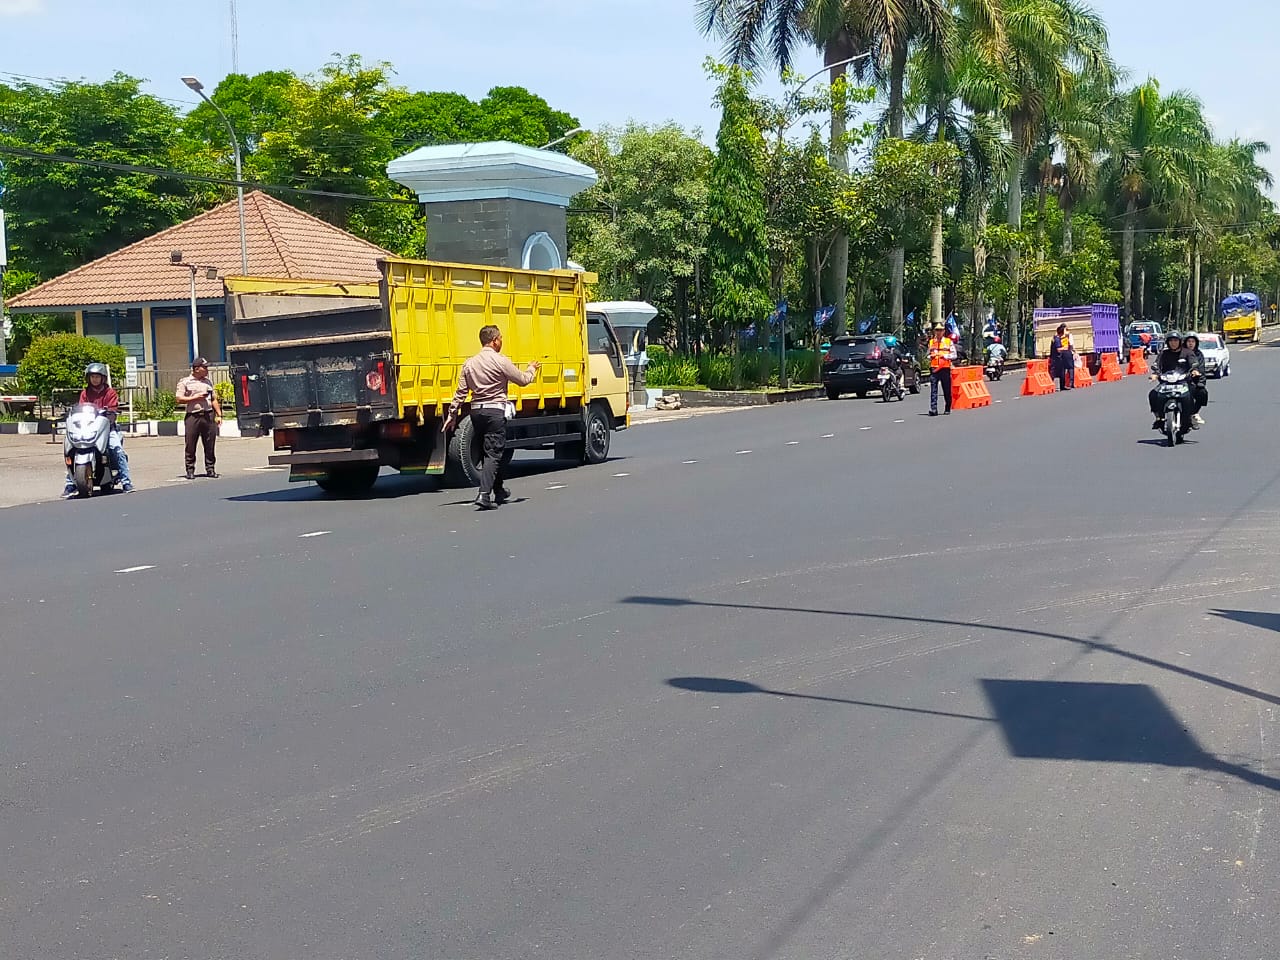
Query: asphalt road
{"type": "Point", "coordinates": [833, 680]}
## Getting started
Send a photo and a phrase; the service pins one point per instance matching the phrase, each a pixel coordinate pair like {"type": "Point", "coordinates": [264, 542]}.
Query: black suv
{"type": "Point", "coordinates": [852, 363]}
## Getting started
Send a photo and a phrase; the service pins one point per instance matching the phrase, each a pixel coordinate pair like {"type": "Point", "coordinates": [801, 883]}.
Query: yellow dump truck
{"type": "Point", "coordinates": [1241, 317]}
{"type": "Point", "coordinates": [349, 378]}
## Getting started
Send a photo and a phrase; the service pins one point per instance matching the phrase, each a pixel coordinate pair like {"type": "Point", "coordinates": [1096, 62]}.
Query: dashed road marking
{"type": "Point", "coordinates": [557, 486]}
{"type": "Point", "coordinates": [864, 428]}
{"type": "Point", "coordinates": [622, 474]}
{"type": "Point", "coordinates": [313, 533]}
{"type": "Point", "coordinates": [742, 453]}
{"type": "Point", "coordinates": [138, 569]}
{"type": "Point", "coordinates": [793, 443]}
{"type": "Point", "coordinates": [827, 436]}
{"type": "Point", "coordinates": [688, 461]}
{"type": "Point", "coordinates": [899, 421]}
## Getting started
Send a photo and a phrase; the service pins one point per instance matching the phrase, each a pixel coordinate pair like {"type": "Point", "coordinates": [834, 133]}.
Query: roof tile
{"type": "Point", "coordinates": [283, 241]}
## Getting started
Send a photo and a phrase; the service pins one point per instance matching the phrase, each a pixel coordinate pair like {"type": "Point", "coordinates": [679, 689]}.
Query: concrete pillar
{"type": "Point", "coordinates": [498, 204]}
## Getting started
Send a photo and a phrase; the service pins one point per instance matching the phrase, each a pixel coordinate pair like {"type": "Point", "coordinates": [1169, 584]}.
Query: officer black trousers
{"type": "Point", "coordinates": [200, 426]}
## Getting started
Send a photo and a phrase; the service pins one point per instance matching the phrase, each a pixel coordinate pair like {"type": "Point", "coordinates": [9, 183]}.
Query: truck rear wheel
{"type": "Point", "coordinates": [349, 479]}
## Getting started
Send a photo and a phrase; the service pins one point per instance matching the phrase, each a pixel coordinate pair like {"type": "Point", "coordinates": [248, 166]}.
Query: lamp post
{"type": "Point", "coordinates": [211, 273]}
{"type": "Point", "coordinates": [197, 87]}
{"type": "Point", "coordinates": [574, 132]}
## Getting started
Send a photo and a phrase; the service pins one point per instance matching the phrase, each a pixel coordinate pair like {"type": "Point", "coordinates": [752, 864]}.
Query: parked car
{"type": "Point", "coordinates": [851, 364]}
{"type": "Point", "coordinates": [1217, 356]}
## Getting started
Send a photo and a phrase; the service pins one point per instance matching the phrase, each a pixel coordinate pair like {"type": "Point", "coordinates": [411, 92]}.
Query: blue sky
{"type": "Point", "coordinates": [605, 61]}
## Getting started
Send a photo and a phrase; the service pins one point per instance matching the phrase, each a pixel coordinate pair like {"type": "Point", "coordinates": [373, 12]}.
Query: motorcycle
{"type": "Point", "coordinates": [1173, 387]}
{"type": "Point", "coordinates": [889, 384]}
{"type": "Point", "coordinates": [994, 369]}
{"type": "Point", "coordinates": [84, 448]}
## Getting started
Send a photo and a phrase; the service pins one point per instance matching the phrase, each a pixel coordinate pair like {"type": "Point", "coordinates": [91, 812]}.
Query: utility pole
{"type": "Point", "coordinates": [4, 262]}
{"type": "Point", "coordinates": [235, 42]}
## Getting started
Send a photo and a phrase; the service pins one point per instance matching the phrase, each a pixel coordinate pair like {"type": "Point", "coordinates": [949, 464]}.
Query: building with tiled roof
{"type": "Point", "coordinates": [138, 298]}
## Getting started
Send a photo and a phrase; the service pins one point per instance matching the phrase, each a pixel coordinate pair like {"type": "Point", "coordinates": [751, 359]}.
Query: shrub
{"type": "Point", "coordinates": [225, 393]}
{"type": "Point", "coordinates": [57, 362]}
{"type": "Point", "coordinates": [671, 370]}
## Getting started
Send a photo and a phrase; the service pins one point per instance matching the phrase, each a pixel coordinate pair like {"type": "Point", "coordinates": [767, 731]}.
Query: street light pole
{"type": "Point", "coordinates": [195, 331]}
{"type": "Point", "coordinates": [571, 133]}
{"type": "Point", "coordinates": [196, 86]}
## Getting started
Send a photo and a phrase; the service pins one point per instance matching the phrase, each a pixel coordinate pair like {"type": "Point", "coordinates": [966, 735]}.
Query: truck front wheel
{"type": "Point", "coordinates": [349, 479]}
{"type": "Point", "coordinates": [598, 431]}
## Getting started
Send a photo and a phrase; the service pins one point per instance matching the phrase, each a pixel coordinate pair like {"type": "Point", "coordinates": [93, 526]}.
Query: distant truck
{"type": "Point", "coordinates": [349, 378]}
{"type": "Point", "coordinates": [1241, 318]}
{"type": "Point", "coordinates": [1094, 329]}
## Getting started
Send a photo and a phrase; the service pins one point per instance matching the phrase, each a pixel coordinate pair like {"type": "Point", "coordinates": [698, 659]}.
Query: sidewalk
{"type": "Point", "coordinates": [32, 471]}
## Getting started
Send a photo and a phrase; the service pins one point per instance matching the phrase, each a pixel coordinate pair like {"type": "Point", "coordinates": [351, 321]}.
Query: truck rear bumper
{"type": "Point", "coordinates": [304, 457]}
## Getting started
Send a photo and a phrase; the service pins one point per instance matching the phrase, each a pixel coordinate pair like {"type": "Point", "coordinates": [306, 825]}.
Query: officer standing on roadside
{"type": "Point", "coordinates": [942, 351]}
{"type": "Point", "coordinates": [485, 376]}
{"type": "Point", "coordinates": [204, 415]}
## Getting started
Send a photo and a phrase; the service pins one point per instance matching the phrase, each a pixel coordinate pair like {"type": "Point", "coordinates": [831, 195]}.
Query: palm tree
{"type": "Point", "coordinates": [1158, 155]}
{"type": "Point", "coordinates": [1049, 45]}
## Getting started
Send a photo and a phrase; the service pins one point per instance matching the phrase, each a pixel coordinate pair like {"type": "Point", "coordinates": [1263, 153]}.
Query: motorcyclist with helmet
{"type": "Point", "coordinates": [996, 352]}
{"type": "Point", "coordinates": [1173, 357]}
{"type": "Point", "coordinates": [99, 394]}
{"type": "Point", "coordinates": [893, 357]}
{"type": "Point", "coordinates": [1199, 390]}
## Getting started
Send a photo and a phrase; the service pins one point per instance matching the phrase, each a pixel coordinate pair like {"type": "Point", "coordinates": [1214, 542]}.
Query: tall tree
{"type": "Point", "coordinates": [61, 215]}
{"type": "Point", "coordinates": [1158, 155]}
{"type": "Point", "coordinates": [737, 241]}
{"type": "Point", "coordinates": [1048, 45]}
{"type": "Point", "coordinates": [753, 29]}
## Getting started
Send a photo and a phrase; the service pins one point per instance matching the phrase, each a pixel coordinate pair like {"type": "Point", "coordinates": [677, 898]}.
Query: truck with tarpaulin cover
{"type": "Point", "coordinates": [349, 378]}
{"type": "Point", "coordinates": [1241, 318]}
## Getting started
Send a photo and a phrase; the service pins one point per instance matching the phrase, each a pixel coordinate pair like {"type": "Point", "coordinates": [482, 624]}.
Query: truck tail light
{"type": "Point", "coordinates": [244, 390]}
{"type": "Point", "coordinates": [377, 379]}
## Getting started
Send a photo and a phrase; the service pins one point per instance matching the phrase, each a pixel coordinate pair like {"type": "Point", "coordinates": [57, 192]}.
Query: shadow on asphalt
{"type": "Point", "coordinates": [1058, 720]}
{"type": "Point", "coordinates": [1090, 644]}
{"type": "Point", "coordinates": [1255, 618]}
{"type": "Point", "coordinates": [724, 685]}
{"type": "Point", "coordinates": [396, 486]}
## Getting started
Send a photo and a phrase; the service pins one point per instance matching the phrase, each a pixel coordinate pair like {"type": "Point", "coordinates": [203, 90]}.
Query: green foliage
{"type": "Point", "coordinates": [57, 362]}
{"type": "Point", "coordinates": [642, 228]}
{"type": "Point", "coordinates": [225, 393]}
{"type": "Point", "coordinates": [737, 243]}
{"type": "Point", "coordinates": [671, 369]}
{"type": "Point", "coordinates": [62, 215]}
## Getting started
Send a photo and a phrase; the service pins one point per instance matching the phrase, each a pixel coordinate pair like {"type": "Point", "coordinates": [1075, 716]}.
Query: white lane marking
{"type": "Point", "coordinates": [264, 468]}
{"type": "Point", "coordinates": [313, 533]}
{"type": "Point", "coordinates": [864, 428]}
{"type": "Point", "coordinates": [145, 566]}
{"type": "Point", "coordinates": [622, 474]}
{"type": "Point", "coordinates": [827, 436]}
{"type": "Point", "coordinates": [793, 443]}
{"type": "Point", "coordinates": [899, 421]}
{"type": "Point", "coordinates": [689, 461]}
{"type": "Point", "coordinates": [557, 486]}
{"type": "Point", "coordinates": [741, 453]}
{"type": "Point", "coordinates": [999, 401]}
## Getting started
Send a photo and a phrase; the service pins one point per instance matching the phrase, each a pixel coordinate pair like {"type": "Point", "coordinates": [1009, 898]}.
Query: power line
{"type": "Point", "coordinates": [194, 177]}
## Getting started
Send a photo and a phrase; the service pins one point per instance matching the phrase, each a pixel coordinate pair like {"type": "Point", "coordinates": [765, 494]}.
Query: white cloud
{"type": "Point", "coordinates": [18, 8]}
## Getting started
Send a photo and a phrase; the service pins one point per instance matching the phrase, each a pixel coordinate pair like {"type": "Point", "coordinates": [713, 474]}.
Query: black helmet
{"type": "Point", "coordinates": [1172, 335]}
{"type": "Point", "coordinates": [98, 368]}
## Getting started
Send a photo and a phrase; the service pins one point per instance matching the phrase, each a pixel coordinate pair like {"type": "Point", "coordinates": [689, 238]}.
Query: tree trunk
{"type": "Point", "coordinates": [1015, 220]}
{"type": "Point", "coordinates": [935, 261]}
{"type": "Point", "coordinates": [1068, 237]}
{"type": "Point", "coordinates": [837, 273]}
{"type": "Point", "coordinates": [898, 255]}
{"type": "Point", "coordinates": [1041, 202]}
{"type": "Point", "coordinates": [1142, 291]}
{"type": "Point", "coordinates": [1126, 256]}
{"type": "Point", "coordinates": [979, 272]}
{"type": "Point", "coordinates": [1195, 283]}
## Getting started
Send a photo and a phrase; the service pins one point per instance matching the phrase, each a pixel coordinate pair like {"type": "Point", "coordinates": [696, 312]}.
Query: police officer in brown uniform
{"type": "Point", "coordinates": [204, 415]}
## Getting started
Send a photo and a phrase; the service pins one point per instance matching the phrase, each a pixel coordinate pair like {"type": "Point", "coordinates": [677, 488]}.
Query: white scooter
{"type": "Point", "coordinates": [84, 448]}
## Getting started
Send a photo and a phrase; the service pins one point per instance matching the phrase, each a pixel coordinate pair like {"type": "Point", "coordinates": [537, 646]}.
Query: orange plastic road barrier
{"type": "Point", "coordinates": [1110, 369]}
{"type": "Point", "coordinates": [1138, 362]}
{"type": "Point", "coordinates": [1083, 377]}
{"type": "Point", "coordinates": [1037, 382]}
{"type": "Point", "coordinates": [968, 389]}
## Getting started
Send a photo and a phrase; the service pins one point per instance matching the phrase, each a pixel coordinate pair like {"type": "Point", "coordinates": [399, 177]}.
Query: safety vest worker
{"type": "Point", "coordinates": [942, 350]}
